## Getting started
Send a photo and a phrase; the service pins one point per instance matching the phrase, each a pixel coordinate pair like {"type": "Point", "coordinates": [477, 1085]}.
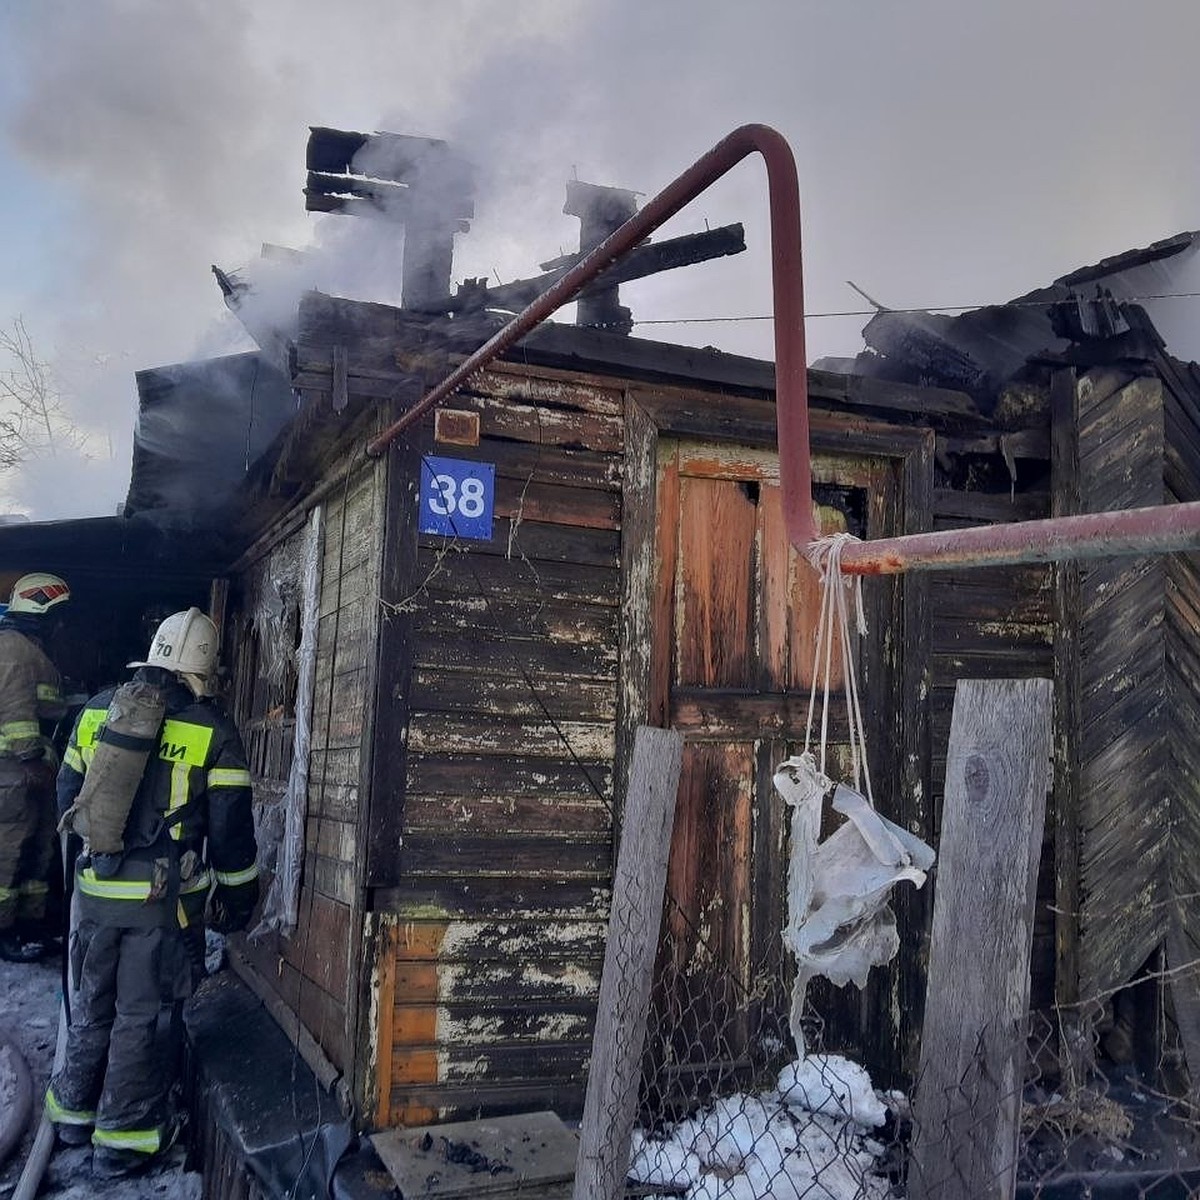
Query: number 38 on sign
{"type": "Point", "coordinates": [457, 497]}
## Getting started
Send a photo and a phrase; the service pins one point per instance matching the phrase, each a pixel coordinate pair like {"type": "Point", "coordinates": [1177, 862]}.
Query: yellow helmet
{"type": "Point", "coordinates": [37, 593]}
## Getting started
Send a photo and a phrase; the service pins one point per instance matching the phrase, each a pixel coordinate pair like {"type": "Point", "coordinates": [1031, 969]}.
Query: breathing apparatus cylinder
{"type": "Point", "coordinates": [123, 745]}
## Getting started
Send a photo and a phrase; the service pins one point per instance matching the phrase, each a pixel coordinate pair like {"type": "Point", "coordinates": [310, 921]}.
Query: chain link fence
{"type": "Point", "coordinates": [727, 1110]}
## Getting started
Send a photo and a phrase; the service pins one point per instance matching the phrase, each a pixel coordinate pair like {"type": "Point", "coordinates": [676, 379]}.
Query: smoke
{"type": "Point", "coordinates": [948, 154]}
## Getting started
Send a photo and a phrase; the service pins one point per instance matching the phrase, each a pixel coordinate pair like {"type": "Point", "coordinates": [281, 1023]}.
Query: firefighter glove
{"type": "Point", "coordinates": [232, 906]}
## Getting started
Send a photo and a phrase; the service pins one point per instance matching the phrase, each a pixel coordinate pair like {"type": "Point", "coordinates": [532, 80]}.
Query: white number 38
{"type": "Point", "coordinates": [450, 497]}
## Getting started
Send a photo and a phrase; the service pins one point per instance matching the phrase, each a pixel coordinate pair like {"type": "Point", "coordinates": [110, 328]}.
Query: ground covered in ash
{"type": "Point", "coordinates": [29, 1004]}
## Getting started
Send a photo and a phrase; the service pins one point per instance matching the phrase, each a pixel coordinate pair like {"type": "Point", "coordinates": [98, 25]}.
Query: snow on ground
{"type": "Point", "coordinates": [808, 1138]}
{"type": "Point", "coordinates": [29, 1002]}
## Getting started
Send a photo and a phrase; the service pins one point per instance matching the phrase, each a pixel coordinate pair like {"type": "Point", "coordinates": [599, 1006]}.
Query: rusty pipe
{"type": "Point", "coordinates": [1157, 530]}
{"type": "Point", "coordinates": [791, 370]}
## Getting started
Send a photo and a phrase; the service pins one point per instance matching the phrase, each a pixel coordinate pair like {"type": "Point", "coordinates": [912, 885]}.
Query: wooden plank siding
{"type": "Point", "coordinates": [312, 969]}
{"type": "Point", "coordinates": [1124, 804]}
{"type": "Point", "coordinates": [990, 623]}
{"type": "Point", "coordinates": [503, 871]}
{"type": "Point", "coordinates": [1181, 420]}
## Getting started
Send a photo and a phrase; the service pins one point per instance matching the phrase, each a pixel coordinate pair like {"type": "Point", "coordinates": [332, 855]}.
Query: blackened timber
{"type": "Point", "coordinates": [646, 260]}
{"type": "Point", "coordinates": [508, 618]}
{"type": "Point", "coordinates": [537, 540]}
{"type": "Point", "coordinates": [638, 557]}
{"type": "Point", "coordinates": [378, 333]}
{"type": "Point", "coordinates": [393, 669]}
{"type": "Point", "coordinates": [507, 896]}
{"type": "Point", "coordinates": [448, 816]}
{"type": "Point", "coordinates": [914, 807]}
{"type": "Point", "coordinates": [467, 774]}
{"type": "Point", "coordinates": [548, 581]}
{"type": "Point", "coordinates": [542, 856]}
{"type": "Point", "coordinates": [340, 193]}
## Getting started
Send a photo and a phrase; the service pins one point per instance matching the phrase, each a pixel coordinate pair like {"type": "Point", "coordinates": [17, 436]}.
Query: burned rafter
{"type": "Point", "coordinates": [419, 182]}
{"type": "Point", "coordinates": [649, 259]}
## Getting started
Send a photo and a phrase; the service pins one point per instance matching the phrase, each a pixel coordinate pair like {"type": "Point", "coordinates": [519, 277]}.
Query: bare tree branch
{"type": "Point", "coordinates": [33, 422]}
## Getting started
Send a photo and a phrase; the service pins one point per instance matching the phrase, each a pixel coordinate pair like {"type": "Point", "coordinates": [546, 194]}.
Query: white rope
{"type": "Point", "coordinates": [825, 555]}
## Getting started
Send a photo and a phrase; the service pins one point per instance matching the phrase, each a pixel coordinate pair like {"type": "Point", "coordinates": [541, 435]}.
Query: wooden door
{"type": "Point", "coordinates": [733, 638]}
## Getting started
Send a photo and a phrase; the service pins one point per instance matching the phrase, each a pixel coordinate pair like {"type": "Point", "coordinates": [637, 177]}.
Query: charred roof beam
{"type": "Point", "coordinates": [418, 182]}
{"type": "Point", "coordinates": [647, 259]}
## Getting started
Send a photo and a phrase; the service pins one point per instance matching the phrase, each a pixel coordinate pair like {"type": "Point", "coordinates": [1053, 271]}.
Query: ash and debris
{"type": "Point", "coordinates": [463, 1155]}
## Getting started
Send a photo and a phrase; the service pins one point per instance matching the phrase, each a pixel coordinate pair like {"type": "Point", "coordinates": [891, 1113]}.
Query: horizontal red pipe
{"type": "Point", "coordinates": [1157, 530]}
{"type": "Point", "coordinates": [791, 371]}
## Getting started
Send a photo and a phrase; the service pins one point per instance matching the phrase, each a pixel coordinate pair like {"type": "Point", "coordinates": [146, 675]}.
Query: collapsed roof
{"type": "Point", "coordinates": [1123, 300]}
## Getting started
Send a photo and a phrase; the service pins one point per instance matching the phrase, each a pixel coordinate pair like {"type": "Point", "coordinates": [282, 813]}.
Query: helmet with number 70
{"type": "Point", "coordinates": [186, 643]}
{"type": "Point", "coordinates": [37, 593]}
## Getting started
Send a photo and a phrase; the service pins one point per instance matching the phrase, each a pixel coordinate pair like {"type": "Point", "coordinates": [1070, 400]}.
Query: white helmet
{"type": "Point", "coordinates": [186, 643]}
{"type": "Point", "coordinates": [38, 593]}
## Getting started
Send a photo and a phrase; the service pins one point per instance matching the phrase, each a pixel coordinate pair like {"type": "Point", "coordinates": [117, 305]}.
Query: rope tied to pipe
{"type": "Point", "coordinates": [838, 593]}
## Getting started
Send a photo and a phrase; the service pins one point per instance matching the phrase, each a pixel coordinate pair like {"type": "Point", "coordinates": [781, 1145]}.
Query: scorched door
{"type": "Point", "coordinates": [734, 632]}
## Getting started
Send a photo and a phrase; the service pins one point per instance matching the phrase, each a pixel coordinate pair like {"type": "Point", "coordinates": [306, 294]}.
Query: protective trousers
{"type": "Point", "coordinates": [114, 1075]}
{"type": "Point", "coordinates": [27, 832]}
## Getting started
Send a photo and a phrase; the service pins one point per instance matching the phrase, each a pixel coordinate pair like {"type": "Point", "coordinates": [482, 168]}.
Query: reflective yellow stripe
{"type": "Point", "coordinates": [20, 729]}
{"type": "Point", "coordinates": [74, 760]}
{"type": "Point", "coordinates": [228, 777]}
{"type": "Point", "coordinates": [113, 889]}
{"type": "Point", "coordinates": [7, 893]}
{"type": "Point", "coordinates": [33, 887]}
{"type": "Point", "coordinates": [179, 795]}
{"type": "Point", "coordinates": [66, 1116]}
{"type": "Point", "coordinates": [233, 878]}
{"type": "Point", "coordinates": [201, 883]}
{"type": "Point", "coordinates": [145, 1140]}
{"type": "Point", "coordinates": [48, 691]}
{"type": "Point", "coordinates": [184, 742]}
{"type": "Point", "coordinates": [90, 721]}
{"type": "Point", "coordinates": [180, 741]}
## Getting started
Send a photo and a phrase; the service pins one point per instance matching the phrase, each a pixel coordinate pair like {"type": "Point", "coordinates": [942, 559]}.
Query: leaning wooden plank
{"type": "Point", "coordinates": [968, 1103]}
{"type": "Point", "coordinates": [624, 1002]}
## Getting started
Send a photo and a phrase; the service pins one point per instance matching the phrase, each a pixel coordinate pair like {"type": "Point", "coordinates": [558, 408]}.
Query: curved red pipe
{"type": "Point", "coordinates": [791, 370]}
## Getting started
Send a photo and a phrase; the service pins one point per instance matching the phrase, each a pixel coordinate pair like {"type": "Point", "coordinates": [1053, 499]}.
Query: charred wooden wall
{"type": "Point", "coordinates": [1129, 816]}
{"type": "Point", "coordinates": [310, 970]}
{"type": "Point", "coordinates": [1120, 829]}
{"type": "Point", "coordinates": [992, 623]}
{"type": "Point", "coordinates": [1181, 420]}
{"type": "Point", "coordinates": [496, 889]}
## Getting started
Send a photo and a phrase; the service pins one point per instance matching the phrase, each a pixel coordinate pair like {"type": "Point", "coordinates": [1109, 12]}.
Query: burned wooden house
{"type": "Point", "coordinates": [439, 654]}
{"type": "Point", "coordinates": [474, 688]}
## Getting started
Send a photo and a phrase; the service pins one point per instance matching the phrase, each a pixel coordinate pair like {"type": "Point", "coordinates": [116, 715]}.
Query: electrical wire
{"type": "Point", "coordinates": [931, 308]}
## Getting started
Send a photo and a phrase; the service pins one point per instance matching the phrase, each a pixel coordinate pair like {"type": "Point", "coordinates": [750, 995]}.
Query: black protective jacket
{"type": "Point", "coordinates": [193, 806]}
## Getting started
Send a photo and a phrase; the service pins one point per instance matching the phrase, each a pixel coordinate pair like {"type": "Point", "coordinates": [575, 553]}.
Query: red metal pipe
{"type": "Point", "coordinates": [1158, 530]}
{"type": "Point", "coordinates": [791, 370]}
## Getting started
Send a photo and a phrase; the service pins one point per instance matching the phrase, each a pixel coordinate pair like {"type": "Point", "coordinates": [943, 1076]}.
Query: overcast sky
{"type": "Point", "coordinates": [950, 152]}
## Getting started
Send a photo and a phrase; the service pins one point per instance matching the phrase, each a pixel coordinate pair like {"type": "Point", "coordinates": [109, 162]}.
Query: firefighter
{"type": "Point", "coordinates": [30, 692]}
{"type": "Point", "coordinates": [189, 830]}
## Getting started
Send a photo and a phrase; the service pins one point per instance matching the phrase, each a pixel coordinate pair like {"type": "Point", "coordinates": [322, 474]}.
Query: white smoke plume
{"type": "Point", "coordinates": [948, 154]}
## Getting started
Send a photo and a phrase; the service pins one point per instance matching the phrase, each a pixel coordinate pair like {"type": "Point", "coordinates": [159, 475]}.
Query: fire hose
{"type": "Point", "coordinates": [43, 1142]}
{"type": "Point", "coordinates": [14, 1119]}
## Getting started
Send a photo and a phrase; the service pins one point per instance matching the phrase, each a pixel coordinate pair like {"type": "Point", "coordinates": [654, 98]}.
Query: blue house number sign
{"type": "Point", "coordinates": [457, 497]}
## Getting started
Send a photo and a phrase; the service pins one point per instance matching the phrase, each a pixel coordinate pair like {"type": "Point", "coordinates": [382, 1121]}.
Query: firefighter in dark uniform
{"type": "Point", "coordinates": [30, 694]}
{"type": "Point", "coordinates": [188, 839]}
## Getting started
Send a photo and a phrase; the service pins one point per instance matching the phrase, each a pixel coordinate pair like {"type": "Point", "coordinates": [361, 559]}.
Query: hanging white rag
{"type": "Point", "coordinates": [839, 923]}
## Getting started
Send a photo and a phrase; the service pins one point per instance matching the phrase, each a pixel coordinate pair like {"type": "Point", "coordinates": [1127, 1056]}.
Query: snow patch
{"type": "Point", "coordinates": [833, 1085]}
{"type": "Point", "coordinates": [806, 1139]}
